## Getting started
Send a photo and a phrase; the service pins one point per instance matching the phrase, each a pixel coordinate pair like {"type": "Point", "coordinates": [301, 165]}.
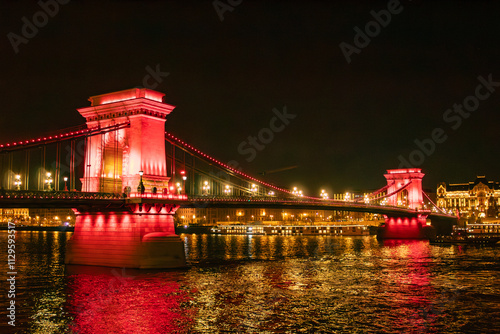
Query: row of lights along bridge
{"type": "Point", "coordinates": [181, 187]}
{"type": "Point", "coordinates": [48, 181]}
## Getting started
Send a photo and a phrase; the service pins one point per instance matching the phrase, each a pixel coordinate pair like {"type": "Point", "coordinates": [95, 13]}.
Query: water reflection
{"type": "Point", "coordinates": [105, 300]}
{"type": "Point", "coordinates": [40, 282]}
{"type": "Point", "coordinates": [220, 248]}
{"type": "Point", "coordinates": [407, 283]}
{"type": "Point", "coordinates": [263, 284]}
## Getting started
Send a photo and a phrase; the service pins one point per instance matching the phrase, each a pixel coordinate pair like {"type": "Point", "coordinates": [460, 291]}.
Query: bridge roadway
{"type": "Point", "coordinates": [114, 201]}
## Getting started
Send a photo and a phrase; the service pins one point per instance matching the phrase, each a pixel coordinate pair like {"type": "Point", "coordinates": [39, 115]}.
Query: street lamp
{"type": "Point", "coordinates": [206, 188]}
{"type": "Point", "coordinates": [227, 190]}
{"type": "Point", "coordinates": [17, 182]}
{"type": "Point", "coordinates": [253, 189]}
{"type": "Point", "coordinates": [184, 178]}
{"type": "Point", "coordinates": [140, 188]}
{"type": "Point", "coordinates": [179, 189]}
{"type": "Point", "coordinates": [48, 180]}
{"type": "Point", "coordinates": [297, 192]}
{"type": "Point", "coordinates": [65, 183]}
{"type": "Point", "coordinates": [324, 194]}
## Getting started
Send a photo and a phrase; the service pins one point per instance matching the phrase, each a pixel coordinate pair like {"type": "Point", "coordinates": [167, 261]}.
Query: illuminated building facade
{"type": "Point", "coordinates": [10, 214]}
{"type": "Point", "coordinates": [480, 198]}
{"type": "Point", "coordinates": [52, 217]}
{"type": "Point", "coordinates": [38, 217]}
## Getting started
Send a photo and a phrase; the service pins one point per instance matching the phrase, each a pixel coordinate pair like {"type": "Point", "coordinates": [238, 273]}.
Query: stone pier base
{"type": "Point", "coordinates": [125, 239]}
{"type": "Point", "coordinates": [406, 228]}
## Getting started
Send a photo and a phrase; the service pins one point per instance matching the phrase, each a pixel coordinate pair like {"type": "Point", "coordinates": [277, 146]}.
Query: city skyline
{"type": "Point", "coordinates": [355, 107]}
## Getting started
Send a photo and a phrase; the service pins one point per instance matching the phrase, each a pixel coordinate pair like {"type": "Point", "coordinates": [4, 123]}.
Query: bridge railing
{"type": "Point", "coordinates": [33, 194]}
{"type": "Point", "coordinates": [318, 201]}
{"type": "Point", "coordinates": [158, 196]}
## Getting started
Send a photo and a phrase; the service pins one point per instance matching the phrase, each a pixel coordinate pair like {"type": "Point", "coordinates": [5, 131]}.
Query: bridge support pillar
{"type": "Point", "coordinates": [137, 238]}
{"type": "Point", "coordinates": [406, 228]}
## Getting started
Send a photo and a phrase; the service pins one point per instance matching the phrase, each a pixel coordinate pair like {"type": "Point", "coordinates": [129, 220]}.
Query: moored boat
{"type": "Point", "coordinates": [475, 233]}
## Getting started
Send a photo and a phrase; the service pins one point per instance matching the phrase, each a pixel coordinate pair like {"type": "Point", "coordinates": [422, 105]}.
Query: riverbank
{"type": "Point", "coordinates": [41, 228]}
{"type": "Point", "coordinates": [193, 229]}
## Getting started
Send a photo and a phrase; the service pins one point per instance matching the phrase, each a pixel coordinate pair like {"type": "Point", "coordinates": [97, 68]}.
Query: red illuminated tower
{"type": "Point", "coordinates": [411, 180]}
{"type": "Point", "coordinates": [138, 233]}
{"type": "Point", "coordinates": [113, 160]}
{"type": "Point", "coordinates": [405, 187]}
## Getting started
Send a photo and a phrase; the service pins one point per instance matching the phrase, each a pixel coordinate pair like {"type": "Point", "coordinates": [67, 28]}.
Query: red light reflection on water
{"type": "Point", "coordinates": [410, 285]}
{"type": "Point", "coordinates": [117, 303]}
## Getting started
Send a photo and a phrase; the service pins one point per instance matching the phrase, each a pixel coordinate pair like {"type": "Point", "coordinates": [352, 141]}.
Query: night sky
{"type": "Point", "coordinates": [352, 120]}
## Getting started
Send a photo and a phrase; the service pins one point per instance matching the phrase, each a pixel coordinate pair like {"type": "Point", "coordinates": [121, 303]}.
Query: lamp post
{"type": "Point", "coordinates": [17, 182]}
{"type": "Point", "coordinates": [179, 189]}
{"type": "Point", "coordinates": [140, 188]}
{"type": "Point", "coordinates": [184, 178]}
{"type": "Point", "coordinates": [324, 194]}
{"type": "Point", "coordinates": [253, 189]}
{"type": "Point", "coordinates": [297, 192]}
{"type": "Point", "coordinates": [48, 180]}
{"type": "Point", "coordinates": [65, 183]}
{"type": "Point", "coordinates": [227, 190]}
{"type": "Point", "coordinates": [206, 188]}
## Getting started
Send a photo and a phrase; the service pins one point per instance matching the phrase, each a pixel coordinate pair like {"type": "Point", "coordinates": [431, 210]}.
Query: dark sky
{"type": "Point", "coordinates": [353, 120]}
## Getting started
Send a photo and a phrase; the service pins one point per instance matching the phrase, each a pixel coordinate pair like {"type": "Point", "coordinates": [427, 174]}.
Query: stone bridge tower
{"type": "Point", "coordinates": [114, 160]}
{"type": "Point", "coordinates": [411, 195]}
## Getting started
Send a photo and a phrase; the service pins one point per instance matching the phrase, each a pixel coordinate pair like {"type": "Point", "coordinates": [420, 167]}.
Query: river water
{"type": "Point", "coordinates": [260, 284]}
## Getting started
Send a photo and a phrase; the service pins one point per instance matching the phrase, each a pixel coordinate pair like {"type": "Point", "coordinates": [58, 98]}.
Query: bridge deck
{"type": "Point", "coordinates": [110, 201]}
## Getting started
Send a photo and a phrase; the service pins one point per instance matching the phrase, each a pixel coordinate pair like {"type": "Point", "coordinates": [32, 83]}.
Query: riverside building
{"type": "Point", "coordinates": [479, 198]}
